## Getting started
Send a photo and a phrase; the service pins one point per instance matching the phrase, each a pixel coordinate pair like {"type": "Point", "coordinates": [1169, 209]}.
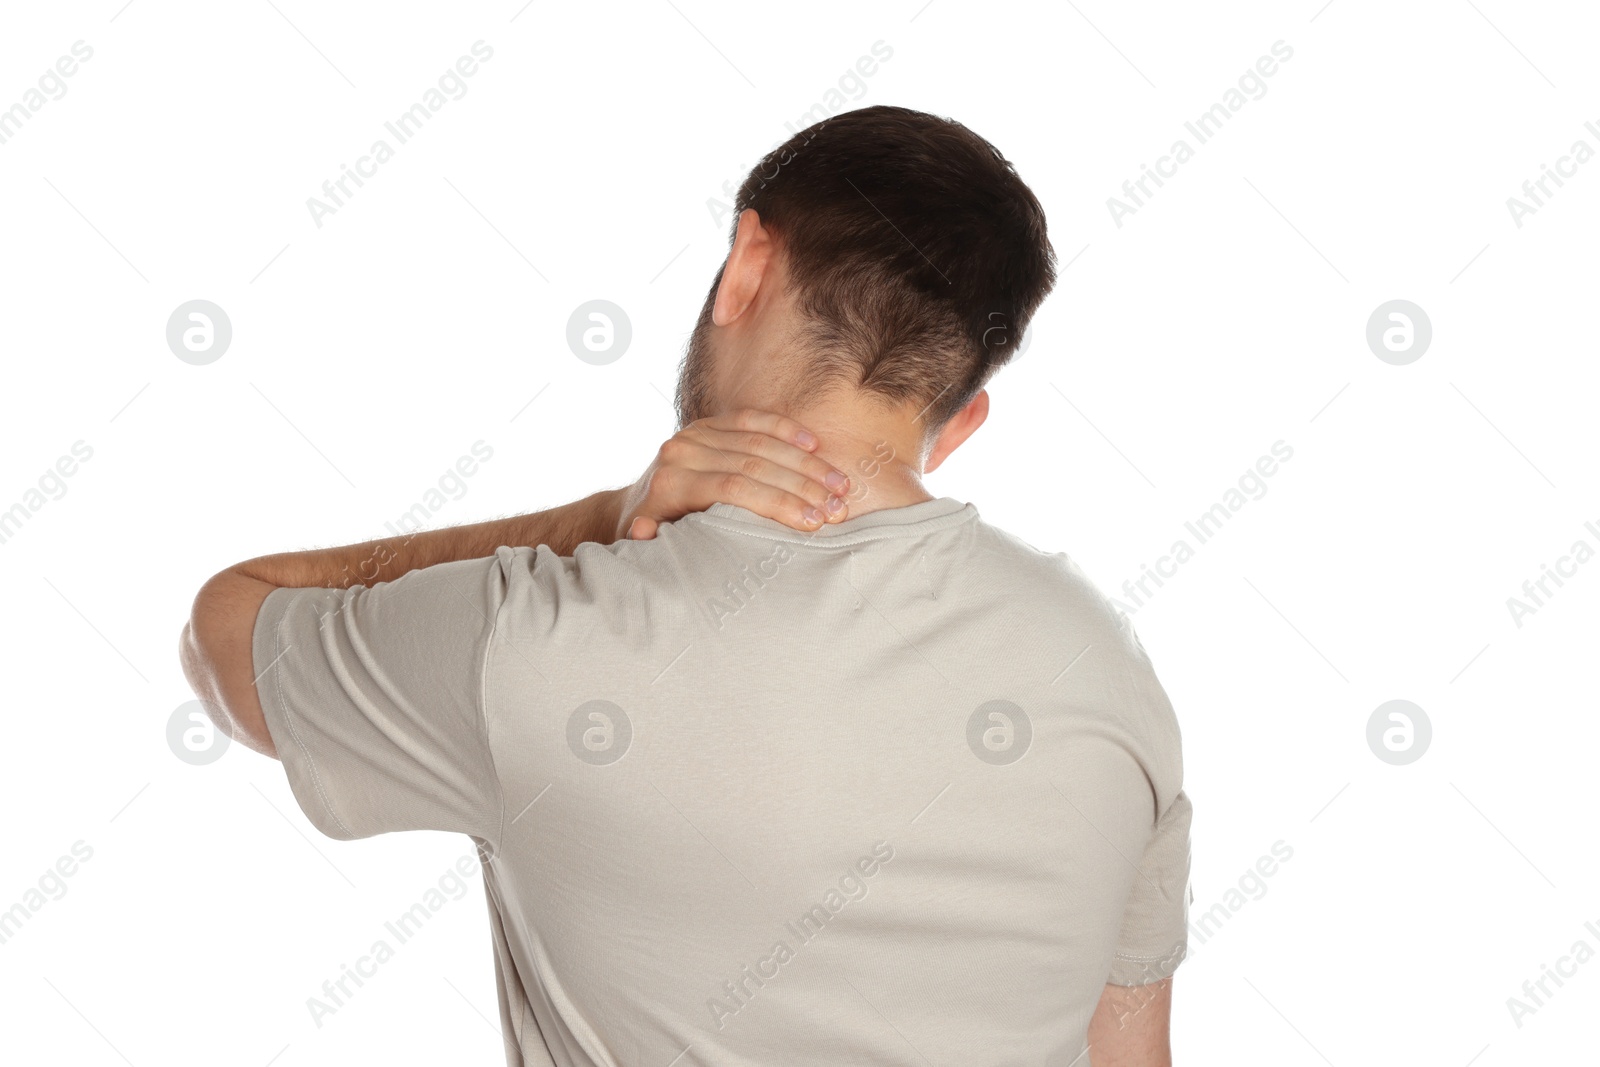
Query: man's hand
{"type": "Point", "coordinates": [754, 459]}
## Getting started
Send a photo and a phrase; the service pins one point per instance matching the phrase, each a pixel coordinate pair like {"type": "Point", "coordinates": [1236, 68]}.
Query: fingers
{"type": "Point", "coordinates": [758, 460]}
{"type": "Point", "coordinates": [767, 422]}
{"type": "Point", "coordinates": [768, 458]}
{"type": "Point", "coordinates": [769, 501]}
{"type": "Point", "coordinates": [812, 490]}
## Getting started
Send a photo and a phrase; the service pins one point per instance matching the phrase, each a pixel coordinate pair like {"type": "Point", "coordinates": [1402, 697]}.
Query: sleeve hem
{"type": "Point", "coordinates": [304, 781]}
{"type": "Point", "coordinates": [1131, 970]}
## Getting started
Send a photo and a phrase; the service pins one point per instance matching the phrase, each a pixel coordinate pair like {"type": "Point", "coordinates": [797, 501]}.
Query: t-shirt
{"type": "Point", "coordinates": [903, 790]}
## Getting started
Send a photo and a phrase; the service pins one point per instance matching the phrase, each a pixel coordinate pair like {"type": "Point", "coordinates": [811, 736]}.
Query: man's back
{"type": "Point", "coordinates": [902, 790]}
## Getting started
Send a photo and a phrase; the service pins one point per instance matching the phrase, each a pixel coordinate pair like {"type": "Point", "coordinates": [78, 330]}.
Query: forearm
{"type": "Point", "coordinates": [216, 646]}
{"type": "Point", "coordinates": [1132, 1026]}
{"type": "Point", "coordinates": [594, 518]}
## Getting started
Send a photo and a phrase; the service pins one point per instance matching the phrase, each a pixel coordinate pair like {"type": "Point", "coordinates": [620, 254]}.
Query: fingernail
{"type": "Point", "coordinates": [834, 480]}
{"type": "Point", "coordinates": [812, 515]}
{"type": "Point", "coordinates": [805, 439]}
{"type": "Point", "coordinates": [835, 505]}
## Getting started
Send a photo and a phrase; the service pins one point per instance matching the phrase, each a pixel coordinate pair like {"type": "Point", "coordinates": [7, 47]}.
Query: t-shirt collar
{"type": "Point", "coordinates": [910, 520]}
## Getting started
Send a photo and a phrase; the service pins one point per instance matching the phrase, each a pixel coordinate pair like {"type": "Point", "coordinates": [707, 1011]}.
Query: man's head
{"type": "Point", "coordinates": [883, 259]}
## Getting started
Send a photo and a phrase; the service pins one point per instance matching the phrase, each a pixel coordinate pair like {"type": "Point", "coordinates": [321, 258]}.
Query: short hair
{"type": "Point", "coordinates": [916, 253]}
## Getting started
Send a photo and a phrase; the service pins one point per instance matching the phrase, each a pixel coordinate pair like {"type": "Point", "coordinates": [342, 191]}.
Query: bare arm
{"type": "Point", "coordinates": [1131, 1026]}
{"type": "Point", "coordinates": [762, 462]}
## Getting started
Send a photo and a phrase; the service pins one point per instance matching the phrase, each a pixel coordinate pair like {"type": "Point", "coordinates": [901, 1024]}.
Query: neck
{"type": "Point", "coordinates": [879, 446]}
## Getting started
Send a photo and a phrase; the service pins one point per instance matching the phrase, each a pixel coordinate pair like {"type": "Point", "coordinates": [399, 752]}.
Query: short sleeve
{"type": "Point", "coordinates": [374, 699]}
{"type": "Point", "coordinates": [1155, 925]}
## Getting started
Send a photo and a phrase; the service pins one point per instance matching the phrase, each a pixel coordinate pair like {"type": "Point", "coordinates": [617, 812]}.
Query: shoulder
{"type": "Point", "coordinates": [617, 585]}
{"type": "Point", "coordinates": [1051, 585]}
{"type": "Point", "coordinates": [1053, 601]}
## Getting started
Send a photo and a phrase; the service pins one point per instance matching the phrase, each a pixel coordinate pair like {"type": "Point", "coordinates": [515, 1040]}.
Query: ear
{"type": "Point", "coordinates": [961, 426]}
{"type": "Point", "coordinates": [747, 265]}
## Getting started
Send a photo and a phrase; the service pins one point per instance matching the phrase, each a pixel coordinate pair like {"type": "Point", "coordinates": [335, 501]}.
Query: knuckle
{"type": "Point", "coordinates": [731, 485]}
{"type": "Point", "coordinates": [752, 466]}
{"type": "Point", "coordinates": [664, 480]}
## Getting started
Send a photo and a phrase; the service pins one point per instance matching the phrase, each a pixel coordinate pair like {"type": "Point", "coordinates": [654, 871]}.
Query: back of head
{"type": "Point", "coordinates": [916, 255]}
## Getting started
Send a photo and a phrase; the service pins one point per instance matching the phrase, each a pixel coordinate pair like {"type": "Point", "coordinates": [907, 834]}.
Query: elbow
{"type": "Point", "coordinates": [198, 641]}
{"type": "Point", "coordinates": [215, 653]}
{"type": "Point", "coordinates": [202, 680]}
{"type": "Point", "coordinates": [192, 658]}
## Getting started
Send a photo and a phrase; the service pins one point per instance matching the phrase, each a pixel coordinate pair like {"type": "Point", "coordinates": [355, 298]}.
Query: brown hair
{"type": "Point", "coordinates": [916, 253]}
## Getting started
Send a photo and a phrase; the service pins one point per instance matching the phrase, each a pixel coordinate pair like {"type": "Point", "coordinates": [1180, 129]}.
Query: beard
{"type": "Point", "coordinates": [693, 399]}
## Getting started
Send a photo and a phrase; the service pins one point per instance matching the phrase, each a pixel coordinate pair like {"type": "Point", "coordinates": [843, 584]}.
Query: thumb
{"type": "Point", "coordinates": [643, 529]}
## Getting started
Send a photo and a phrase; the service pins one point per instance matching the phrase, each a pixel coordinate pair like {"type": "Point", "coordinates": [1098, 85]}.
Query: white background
{"type": "Point", "coordinates": [1227, 314]}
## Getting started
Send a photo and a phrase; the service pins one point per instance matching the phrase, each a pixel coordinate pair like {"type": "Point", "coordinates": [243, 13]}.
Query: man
{"type": "Point", "coordinates": [810, 767]}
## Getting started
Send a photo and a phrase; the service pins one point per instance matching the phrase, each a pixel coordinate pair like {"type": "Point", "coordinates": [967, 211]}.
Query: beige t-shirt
{"type": "Point", "coordinates": [905, 790]}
